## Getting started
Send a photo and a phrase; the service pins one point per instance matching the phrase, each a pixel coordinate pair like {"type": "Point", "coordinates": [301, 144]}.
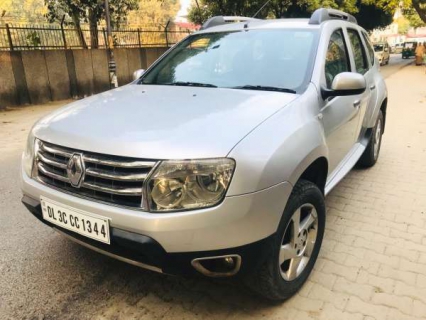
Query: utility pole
{"type": "Point", "coordinates": [111, 64]}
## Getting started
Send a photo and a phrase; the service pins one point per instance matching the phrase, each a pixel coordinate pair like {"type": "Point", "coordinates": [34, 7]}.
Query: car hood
{"type": "Point", "coordinates": [161, 122]}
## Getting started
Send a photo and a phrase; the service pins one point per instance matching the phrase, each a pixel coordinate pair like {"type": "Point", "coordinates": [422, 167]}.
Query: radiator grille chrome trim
{"type": "Point", "coordinates": [108, 179]}
{"type": "Point", "coordinates": [119, 191]}
{"type": "Point", "coordinates": [120, 164]}
{"type": "Point", "coordinates": [98, 173]}
{"type": "Point", "coordinates": [41, 167]}
{"type": "Point", "coordinates": [55, 163]}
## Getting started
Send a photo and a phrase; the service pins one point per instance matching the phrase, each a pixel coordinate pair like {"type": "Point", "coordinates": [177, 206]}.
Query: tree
{"type": "Point", "coordinates": [91, 11]}
{"type": "Point", "coordinates": [372, 16]}
{"type": "Point", "coordinates": [22, 11]}
{"type": "Point", "coordinates": [403, 25]}
{"type": "Point", "coordinates": [413, 17]}
{"type": "Point", "coordinates": [370, 13]}
{"type": "Point", "coordinates": [153, 12]}
{"type": "Point", "coordinates": [58, 9]}
{"type": "Point", "coordinates": [420, 7]}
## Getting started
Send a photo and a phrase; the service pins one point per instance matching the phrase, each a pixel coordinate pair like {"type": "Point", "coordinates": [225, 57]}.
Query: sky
{"type": "Point", "coordinates": [184, 7]}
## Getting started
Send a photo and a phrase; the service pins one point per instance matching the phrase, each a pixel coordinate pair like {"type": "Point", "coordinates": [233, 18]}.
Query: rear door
{"type": "Point", "coordinates": [373, 78]}
{"type": "Point", "coordinates": [361, 65]}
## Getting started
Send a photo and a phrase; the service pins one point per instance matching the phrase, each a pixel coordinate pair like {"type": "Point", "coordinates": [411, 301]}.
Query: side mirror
{"type": "Point", "coordinates": [138, 73]}
{"type": "Point", "coordinates": [345, 84]}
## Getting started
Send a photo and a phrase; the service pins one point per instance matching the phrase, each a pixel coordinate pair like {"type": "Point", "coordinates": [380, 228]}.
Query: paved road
{"type": "Point", "coordinates": [395, 64]}
{"type": "Point", "coordinates": [372, 264]}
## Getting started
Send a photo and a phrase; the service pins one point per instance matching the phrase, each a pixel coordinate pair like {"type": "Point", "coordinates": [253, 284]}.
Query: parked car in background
{"type": "Point", "coordinates": [398, 48]}
{"type": "Point", "coordinates": [382, 52]}
{"type": "Point", "coordinates": [216, 160]}
{"type": "Point", "coordinates": [409, 49]}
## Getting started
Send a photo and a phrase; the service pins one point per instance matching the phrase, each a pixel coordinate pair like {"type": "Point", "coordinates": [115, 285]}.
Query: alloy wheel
{"type": "Point", "coordinates": [298, 242]}
{"type": "Point", "coordinates": [377, 138]}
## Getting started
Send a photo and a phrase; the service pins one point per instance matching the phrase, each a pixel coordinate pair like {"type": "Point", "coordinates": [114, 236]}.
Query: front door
{"type": "Point", "coordinates": [340, 114]}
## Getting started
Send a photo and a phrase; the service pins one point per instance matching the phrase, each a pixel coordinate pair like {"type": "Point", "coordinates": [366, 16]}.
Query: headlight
{"type": "Point", "coordinates": [28, 158]}
{"type": "Point", "coordinates": [185, 185]}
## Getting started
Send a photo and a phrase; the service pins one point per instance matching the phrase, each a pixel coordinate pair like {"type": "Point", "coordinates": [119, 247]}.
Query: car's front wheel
{"type": "Point", "coordinates": [296, 245]}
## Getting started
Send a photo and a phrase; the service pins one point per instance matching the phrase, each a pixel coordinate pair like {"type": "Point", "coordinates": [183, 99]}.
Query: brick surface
{"type": "Point", "coordinates": [376, 311]}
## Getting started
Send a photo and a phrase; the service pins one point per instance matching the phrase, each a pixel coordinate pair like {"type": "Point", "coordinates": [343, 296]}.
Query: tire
{"type": "Point", "coordinates": [371, 153]}
{"type": "Point", "coordinates": [274, 281]}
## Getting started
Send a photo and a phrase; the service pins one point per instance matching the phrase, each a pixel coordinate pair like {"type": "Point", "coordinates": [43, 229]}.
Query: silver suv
{"type": "Point", "coordinates": [217, 159]}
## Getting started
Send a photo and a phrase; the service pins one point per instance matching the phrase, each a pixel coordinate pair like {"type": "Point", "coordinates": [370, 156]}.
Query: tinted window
{"type": "Point", "coordinates": [369, 47]}
{"type": "Point", "coordinates": [276, 58]}
{"type": "Point", "coordinates": [337, 57]}
{"type": "Point", "coordinates": [361, 64]}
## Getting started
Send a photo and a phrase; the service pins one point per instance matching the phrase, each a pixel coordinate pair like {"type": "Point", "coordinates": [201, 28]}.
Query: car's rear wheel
{"type": "Point", "coordinates": [371, 153]}
{"type": "Point", "coordinates": [296, 245]}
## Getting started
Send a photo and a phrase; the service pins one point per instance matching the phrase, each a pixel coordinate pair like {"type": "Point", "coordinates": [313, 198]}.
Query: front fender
{"type": "Point", "coordinates": [281, 148]}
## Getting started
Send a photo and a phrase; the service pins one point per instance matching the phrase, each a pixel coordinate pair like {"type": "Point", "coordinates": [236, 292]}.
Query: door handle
{"type": "Point", "coordinates": [357, 104]}
{"type": "Point", "coordinates": [372, 87]}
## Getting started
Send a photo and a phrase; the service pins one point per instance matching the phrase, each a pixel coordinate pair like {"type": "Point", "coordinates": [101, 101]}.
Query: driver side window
{"type": "Point", "coordinates": [337, 59]}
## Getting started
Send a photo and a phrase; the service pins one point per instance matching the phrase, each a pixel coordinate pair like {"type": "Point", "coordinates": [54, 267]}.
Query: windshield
{"type": "Point", "coordinates": [378, 47]}
{"type": "Point", "coordinates": [250, 59]}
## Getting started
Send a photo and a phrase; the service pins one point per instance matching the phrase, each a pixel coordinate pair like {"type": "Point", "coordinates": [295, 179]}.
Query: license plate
{"type": "Point", "coordinates": [84, 223]}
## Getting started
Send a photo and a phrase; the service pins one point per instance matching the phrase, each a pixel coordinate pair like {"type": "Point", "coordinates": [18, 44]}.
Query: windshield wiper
{"type": "Point", "coordinates": [191, 84]}
{"type": "Point", "coordinates": [264, 88]}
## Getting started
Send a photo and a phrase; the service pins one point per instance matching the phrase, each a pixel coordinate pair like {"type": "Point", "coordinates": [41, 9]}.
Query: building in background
{"type": "Point", "coordinates": [394, 35]}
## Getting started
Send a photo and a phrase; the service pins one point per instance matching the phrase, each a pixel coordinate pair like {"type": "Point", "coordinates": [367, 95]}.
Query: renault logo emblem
{"type": "Point", "coordinates": [75, 170]}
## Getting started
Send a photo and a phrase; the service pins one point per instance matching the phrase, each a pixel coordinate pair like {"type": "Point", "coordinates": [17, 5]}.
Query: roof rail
{"type": "Point", "coordinates": [220, 20]}
{"type": "Point", "coordinates": [322, 15]}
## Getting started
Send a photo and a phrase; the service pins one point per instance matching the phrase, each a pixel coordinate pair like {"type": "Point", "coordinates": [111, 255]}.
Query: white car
{"type": "Point", "coordinates": [382, 52]}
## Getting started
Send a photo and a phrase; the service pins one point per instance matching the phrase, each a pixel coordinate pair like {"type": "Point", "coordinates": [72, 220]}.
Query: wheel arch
{"type": "Point", "coordinates": [384, 108]}
{"type": "Point", "coordinates": [317, 173]}
{"type": "Point", "coordinates": [313, 168]}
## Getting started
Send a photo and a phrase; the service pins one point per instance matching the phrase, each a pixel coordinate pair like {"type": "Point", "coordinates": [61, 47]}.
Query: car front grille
{"type": "Point", "coordinates": [110, 179]}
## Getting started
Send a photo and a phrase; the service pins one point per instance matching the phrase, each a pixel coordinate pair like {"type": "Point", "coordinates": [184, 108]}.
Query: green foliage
{"type": "Point", "coordinates": [22, 11]}
{"type": "Point", "coordinates": [89, 10]}
{"type": "Point", "coordinates": [403, 25]}
{"type": "Point", "coordinates": [33, 39]}
{"type": "Point", "coordinates": [413, 17]}
{"type": "Point", "coordinates": [153, 12]}
{"type": "Point", "coordinates": [420, 7]}
{"type": "Point", "coordinates": [371, 17]}
{"type": "Point", "coordinates": [370, 13]}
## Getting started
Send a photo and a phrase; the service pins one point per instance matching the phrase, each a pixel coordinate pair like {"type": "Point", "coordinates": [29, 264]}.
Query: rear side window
{"type": "Point", "coordinates": [337, 60]}
{"type": "Point", "coordinates": [369, 47]}
{"type": "Point", "coordinates": [361, 64]}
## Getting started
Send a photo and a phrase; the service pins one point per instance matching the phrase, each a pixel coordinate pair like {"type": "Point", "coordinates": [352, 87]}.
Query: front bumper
{"type": "Point", "coordinates": [147, 253]}
{"type": "Point", "coordinates": [240, 225]}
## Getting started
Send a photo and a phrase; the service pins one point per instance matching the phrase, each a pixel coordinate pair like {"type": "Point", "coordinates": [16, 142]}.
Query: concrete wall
{"type": "Point", "coordinates": [33, 77]}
